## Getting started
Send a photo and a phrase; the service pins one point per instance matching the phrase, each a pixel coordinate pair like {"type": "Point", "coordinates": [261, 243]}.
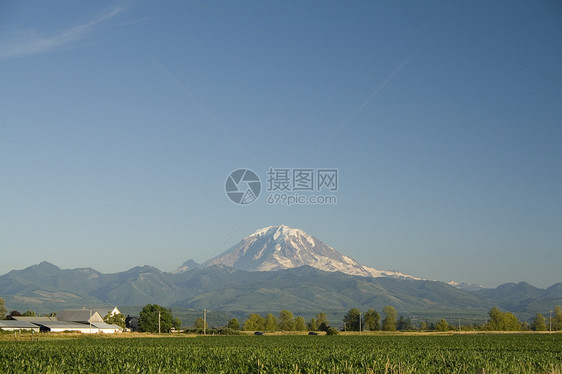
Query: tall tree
{"type": "Point", "coordinates": [557, 318]}
{"type": "Point", "coordinates": [404, 323]}
{"type": "Point", "coordinates": [255, 322]}
{"type": "Point", "coordinates": [352, 320]}
{"type": "Point", "coordinates": [200, 323]}
{"type": "Point", "coordinates": [3, 309]}
{"type": "Point", "coordinates": [389, 322]}
{"type": "Point", "coordinates": [539, 323]}
{"type": "Point", "coordinates": [270, 322]}
{"type": "Point", "coordinates": [300, 323]}
{"type": "Point", "coordinates": [372, 320]}
{"type": "Point", "coordinates": [321, 319]}
{"type": "Point", "coordinates": [442, 325]}
{"type": "Point", "coordinates": [234, 324]}
{"type": "Point", "coordinates": [312, 325]}
{"type": "Point", "coordinates": [29, 313]}
{"type": "Point", "coordinates": [148, 319]}
{"type": "Point", "coordinates": [286, 321]}
{"type": "Point", "coordinates": [500, 321]}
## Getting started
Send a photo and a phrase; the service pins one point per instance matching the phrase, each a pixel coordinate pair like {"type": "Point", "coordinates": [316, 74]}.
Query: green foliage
{"type": "Point", "coordinates": [270, 323]}
{"type": "Point", "coordinates": [404, 324]}
{"type": "Point", "coordinates": [116, 319]}
{"type": "Point", "coordinates": [312, 325]}
{"type": "Point", "coordinates": [501, 353]}
{"type": "Point", "coordinates": [351, 321]}
{"type": "Point", "coordinates": [321, 318]}
{"type": "Point", "coordinates": [255, 322]}
{"type": "Point", "coordinates": [539, 323]}
{"type": "Point", "coordinates": [200, 323]}
{"type": "Point", "coordinates": [3, 309]}
{"type": "Point", "coordinates": [300, 323]}
{"type": "Point", "coordinates": [389, 322]}
{"type": "Point", "coordinates": [372, 320]}
{"type": "Point", "coordinates": [500, 321]}
{"type": "Point", "coordinates": [14, 313]}
{"type": "Point", "coordinates": [323, 327]}
{"type": "Point", "coordinates": [557, 318]}
{"type": "Point", "coordinates": [423, 325]}
{"type": "Point", "coordinates": [332, 331]}
{"type": "Point", "coordinates": [29, 313]}
{"type": "Point", "coordinates": [148, 319]}
{"type": "Point", "coordinates": [286, 321]}
{"type": "Point", "coordinates": [442, 325]}
{"type": "Point", "coordinates": [213, 331]}
{"type": "Point", "coordinates": [233, 324]}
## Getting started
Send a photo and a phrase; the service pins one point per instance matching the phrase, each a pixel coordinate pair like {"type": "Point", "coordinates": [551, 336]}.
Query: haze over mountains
{"type": "Point", "coordinates": [274, 268]}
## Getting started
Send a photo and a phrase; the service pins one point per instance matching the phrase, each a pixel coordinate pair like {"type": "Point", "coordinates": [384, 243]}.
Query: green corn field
{"type": "Point", "coordinates": [517, 353]}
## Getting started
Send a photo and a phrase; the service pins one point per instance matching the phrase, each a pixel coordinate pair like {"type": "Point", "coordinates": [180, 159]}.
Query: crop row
{"type": "Point", "coordinates": [288, 354]}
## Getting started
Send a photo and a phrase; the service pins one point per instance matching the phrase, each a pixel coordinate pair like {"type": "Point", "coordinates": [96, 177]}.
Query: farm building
{"type": "Point", "coordinates": [87, 321]}
{"type": "Point", "coordinates": [62, 326]}
{"type": "Point", "coordinates": [107, 328]}
{"type": "Point", "coordinates": [79, 315]}
{"type": "Point", "coordinates": [12, 325]}
{"type": "Point", "coordinates": [33, 319]}
{"type": "Point", "coordinates": [92, 328]}
{"type": "Point", "coordinates": [105, 311]}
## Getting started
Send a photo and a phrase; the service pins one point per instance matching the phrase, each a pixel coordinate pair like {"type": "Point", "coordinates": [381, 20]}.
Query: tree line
{"type": "Point", "coordinates": [371, 320]}
{"type": "Point", "coordinates": [285, 321]}
{"type": "Point", "coordinates": [156, 318]}
{"type": "Point", "coordinates": [355, 320]}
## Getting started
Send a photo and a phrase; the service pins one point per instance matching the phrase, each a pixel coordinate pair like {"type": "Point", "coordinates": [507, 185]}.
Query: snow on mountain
{"type": "Point", "coordinates": [465, 286]}
{"type": "Point", "coordinates": [281, 247]}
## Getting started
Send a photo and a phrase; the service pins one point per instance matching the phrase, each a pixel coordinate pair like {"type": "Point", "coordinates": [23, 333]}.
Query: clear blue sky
{"type": "Point", "coordinates": [443, 118]}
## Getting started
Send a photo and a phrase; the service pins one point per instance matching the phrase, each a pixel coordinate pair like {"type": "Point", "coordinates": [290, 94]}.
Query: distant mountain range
{"type": "Point", "coordinates": [275, 268]}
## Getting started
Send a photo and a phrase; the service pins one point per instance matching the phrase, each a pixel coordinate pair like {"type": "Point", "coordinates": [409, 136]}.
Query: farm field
{"type": "Point", "coordinates": [501, 353]}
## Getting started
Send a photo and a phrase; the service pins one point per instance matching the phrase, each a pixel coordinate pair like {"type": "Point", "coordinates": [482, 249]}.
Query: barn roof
{"type": "Point", "coordinates": [17, 324]}
{"type": "Point", "coordinates": [106, 326]}
{"type": "Point", "coordinates": [79, 315]}
{"type": "Point", "coordinates": [34, 319]}
{"type": "Point", "coordinates": [64, 325]}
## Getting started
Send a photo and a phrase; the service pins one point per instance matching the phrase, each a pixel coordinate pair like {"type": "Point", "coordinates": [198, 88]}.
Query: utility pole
{"type": "Point", "coordinates": [159, 322]}
{"type": "Point", "coordinates": [550, 321]}
{"type": "Point", "coordinates": [204, 321]}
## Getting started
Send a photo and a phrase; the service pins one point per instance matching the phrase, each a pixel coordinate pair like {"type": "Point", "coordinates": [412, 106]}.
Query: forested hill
{"type": "Point", "coordinates": [45, 287]}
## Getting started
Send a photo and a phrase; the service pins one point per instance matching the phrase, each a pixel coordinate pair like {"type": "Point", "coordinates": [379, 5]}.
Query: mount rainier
{"type": "Point", "coordinates": [281, 247]}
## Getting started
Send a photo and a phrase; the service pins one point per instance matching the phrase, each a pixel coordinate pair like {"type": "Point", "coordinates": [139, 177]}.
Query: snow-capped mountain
{"type": "Point", "coordinates": [465, 286]}
{"type": "Point", "coordinates": [281, 247]}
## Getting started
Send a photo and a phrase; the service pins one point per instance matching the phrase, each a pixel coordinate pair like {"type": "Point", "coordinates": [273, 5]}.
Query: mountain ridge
{"type": "Point", "coordinates": [274, 268]}
{"type": "Point", "coordinates": [225, 288]}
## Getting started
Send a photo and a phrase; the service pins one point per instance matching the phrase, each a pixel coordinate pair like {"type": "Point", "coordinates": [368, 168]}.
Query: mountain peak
{"type": "Point", "coordinates": [282, 247]}
{"type": "Point", "coordinates": [188, 265]}
{"type": "Point", "coordinates": [280, 230]}
{"type": "Point", "coordinates": [46, 266]}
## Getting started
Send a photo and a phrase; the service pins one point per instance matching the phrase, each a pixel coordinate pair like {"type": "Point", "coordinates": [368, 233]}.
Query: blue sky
{"type": "Point", "coordinates": [120, 123]}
